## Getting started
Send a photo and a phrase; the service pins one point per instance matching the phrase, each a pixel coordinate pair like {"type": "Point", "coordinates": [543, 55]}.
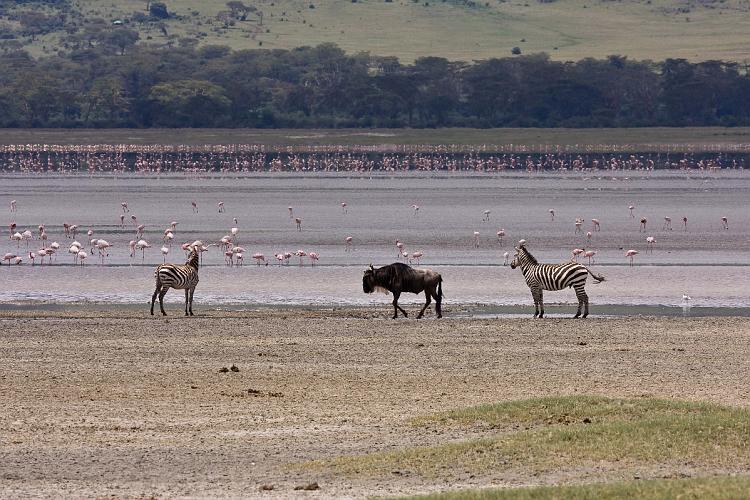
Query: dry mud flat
{"type": "Point", "coordinates": [113, 402]}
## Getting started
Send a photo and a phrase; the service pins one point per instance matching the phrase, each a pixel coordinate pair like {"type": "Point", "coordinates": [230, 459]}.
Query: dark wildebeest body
{"type": "Point", "coordinates": [398, 278]}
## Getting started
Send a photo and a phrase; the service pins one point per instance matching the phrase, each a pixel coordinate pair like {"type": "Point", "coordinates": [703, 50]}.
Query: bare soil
{"type": "Point", "coordinates": [113, 402]}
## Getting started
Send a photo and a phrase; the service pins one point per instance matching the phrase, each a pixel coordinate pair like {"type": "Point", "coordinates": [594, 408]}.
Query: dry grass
{"type": "Point", "coordinates": [710, 488]}
{"type": "Point", "coordinates": [566, 29]}
{"type": "Point", "coordinates": [546, 434]}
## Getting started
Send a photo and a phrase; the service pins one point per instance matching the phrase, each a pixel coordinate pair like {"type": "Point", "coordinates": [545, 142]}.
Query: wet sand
{"type": "Point", "coordinates": [109, 401]}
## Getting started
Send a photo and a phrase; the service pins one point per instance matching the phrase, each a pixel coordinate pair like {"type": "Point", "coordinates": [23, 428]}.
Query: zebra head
{"type": "Point", "coordinates": [522, 257]}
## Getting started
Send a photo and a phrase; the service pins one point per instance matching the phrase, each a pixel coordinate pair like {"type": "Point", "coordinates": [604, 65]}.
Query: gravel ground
{"type": "Point", "coordinates": [101, 402]}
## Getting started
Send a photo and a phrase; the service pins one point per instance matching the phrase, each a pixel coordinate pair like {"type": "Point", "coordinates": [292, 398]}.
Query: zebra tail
{"type": "Point", "coordinates": [598, 278]}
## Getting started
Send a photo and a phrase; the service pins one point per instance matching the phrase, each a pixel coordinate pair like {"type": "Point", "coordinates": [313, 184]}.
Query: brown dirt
{"type": "Point", "coordinates": [112, 402]}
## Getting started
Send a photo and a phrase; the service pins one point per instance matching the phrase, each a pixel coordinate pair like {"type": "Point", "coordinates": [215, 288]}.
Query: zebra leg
{"type": "Point", "coordinates": [153, 298]}
{"type": "Point", "coordinates": [187, 300]}
{"type": "Point", "coordinates": [541, 304]}
{"type": "Point", "coordinates": [427, 293]}
{"type": "Point", "coordinates": [534, 295]}
{"type": "Point", "coordinates": [162, 293]}
{"type": "Point", "coordinates": [582, 299]}
{"type": "Point", "coordinates": [192, 292]}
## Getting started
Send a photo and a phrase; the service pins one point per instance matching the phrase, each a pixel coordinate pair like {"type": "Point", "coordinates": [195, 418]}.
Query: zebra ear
{"type": "Point", "coordinates": [371, 268]}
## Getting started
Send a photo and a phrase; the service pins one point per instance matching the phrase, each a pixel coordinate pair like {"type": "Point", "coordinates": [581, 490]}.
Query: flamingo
{"type": "Point", "coordinates": [291, 212]}
{"type": "Point", "coordinates": [32, 257]}
{"type": "Point", "coordinates": [168, 237]}
{"type": "Point", "coordinates": [9, 257]}
{"type": "Point", "coordinates": [589, 254]}
{"type": "Point", "coordinates": [240, 258]}
{"type": "Point", "coordinates": [139, 231]}
{"type": "Point", "coordinates": [124, 206]}
{"type": "Point", "coordinates": [684, 223]}
{"type": "Point", "coordinates": [26, 235]}
{"type": "Point", "coordinates": [500, 235]}
{"type": "Point", "coordinates": [82, 256]}
{"type": "Point", "coordinates": [552, 214]}
{"type": "Point", "coordinates": [74, 230]}
{"type": "Point", "coordinates": [13, 207]}
{"type": "Point", "coordinates": [259, 257]}
{"type": "Point", "coordinates": [486, 217]}
{"type": "Point", "coordinates": [195, 207]}
{"type": "Point", "coordinates": [131, 246]}
{"type": "Point", "coordinates": [73, 250]}
{"type": "Point", "coordinates": [476, 239]}
{"type": "Point", "coordinates": [142, 245]}
{"type": "Point", "coordinates": [399, 248]}
{"type": "Point", "coordinates": [588, 235]}
{"type": "Point", "coordinates": [349, 244]}
{"type": "Point", "coordinates": [103, 247]}
{"type": "Point", "coordinates": [279, 258]}
{"type": "Point", "coordinates": [416, 256]}
{"type": "Point", "coordinates": [725, 223]}
{"type": "Point", "coordinates": [225, 242]}
{"type": "Point", "coordinates": [314, 257]}
{"type": "Point", "coordinates": [17, 260]}
{"type": "Point", "coordinates": [229, 257]}
{"type": "Point", "coordinates": [287, 256]}
{"type": "Point", "coordinates": [596, 226]}
{"type": "Point", "coordinates": [576, 252]}
{"type": "Point", "coordinates": [643, 225]}
{"type": "Point", "coordinates": [17, 237]}
{"type": "Point", "coordinates": [300, 254]}
{"type": "Point", "coordinates": [631, 208]}
{"type": "Point", "coordinates": [234, 231]}
{"type": "Point", "coordinates": [667, 224]}
{"type": "Point", "coordinates": [631, 253]}
{"type": "Point", "coordinates": [41, 254]}
{"type": "Point", "coordinates": [164, 252]}
{"type": "Point", "coordinates": [298, 221]}
{"type": "Point", "coordinates": [505, 256]}
{"type": "Point", "coordinates": [650, 240]}
{"type": "Point", "coordinates": [174, 223]}
{"type": "Point", "coordinates": [416, 209]}
{"type": "Point", "coordinates": [11, 228]}
{"type": "Point", "coordinates": [66, 229]}
{"type": "Point", "coordinates": [122, 221]}
{"type": "Point", "coordinates": [579, 223]}
{"type": "Point", "coordinates": [221, 207]}
{"type": "Point", "coordinates": [343, 207]}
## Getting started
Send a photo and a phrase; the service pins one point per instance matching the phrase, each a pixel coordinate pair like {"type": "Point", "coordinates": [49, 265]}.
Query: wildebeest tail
{"type": "Point", "coordinates": [598, 278]}
{"type": "Point", "coordinates": [440, 287]}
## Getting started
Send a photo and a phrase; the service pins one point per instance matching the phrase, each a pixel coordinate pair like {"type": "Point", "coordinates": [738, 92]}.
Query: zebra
{"type": "Point", "coordinates": [179, 277]}
{"type": "Point", "coordinates": [553, 277]}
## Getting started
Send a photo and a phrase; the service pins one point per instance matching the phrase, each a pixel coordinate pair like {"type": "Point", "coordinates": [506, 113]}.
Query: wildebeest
{"type": "Point", "coordinates": [398, 278]}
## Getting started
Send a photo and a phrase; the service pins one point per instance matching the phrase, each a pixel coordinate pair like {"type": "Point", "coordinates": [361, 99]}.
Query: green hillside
{"type": "Point", "coordinates": [456, 29]}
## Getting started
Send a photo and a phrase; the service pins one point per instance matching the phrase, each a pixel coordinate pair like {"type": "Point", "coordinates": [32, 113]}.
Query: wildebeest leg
{"type": "Point", "coordinates": [427, 293]}
{"type": "Point", "coordinates": [187, 300]}
{"type": "Point", "coordinates": [192, 292]}
{"type": "Point", "coordinates": [583, 301]}
{"type": "Point", "coordinates": [162, 293]}
{"type": "Point", "coordinates": [396, 307]}
{"type": "Point", "coordinates": [153, 298]}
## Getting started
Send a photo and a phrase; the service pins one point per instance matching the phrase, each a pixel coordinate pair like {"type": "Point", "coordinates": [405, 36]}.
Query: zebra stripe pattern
{"type": "Point", "coordinates": [179, 277]}
{"type": "Point", "coordinates": [553, 277]}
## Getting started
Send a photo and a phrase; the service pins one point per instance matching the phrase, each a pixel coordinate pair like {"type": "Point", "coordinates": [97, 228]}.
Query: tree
{"type": "Point", "coordinates": [158, 10]}
{"type": "Point", "coordinates": [35, 23]}
{"type": "Point", "coordinates": [120, 38]}
{"type": "Point", "coordinates": [191, 103]}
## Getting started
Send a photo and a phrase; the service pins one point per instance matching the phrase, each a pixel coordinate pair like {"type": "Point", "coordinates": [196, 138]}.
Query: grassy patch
{"type": "Point", "coordinates": [702, 488]}
{"type": "Point", "coordinates": [547, 434]}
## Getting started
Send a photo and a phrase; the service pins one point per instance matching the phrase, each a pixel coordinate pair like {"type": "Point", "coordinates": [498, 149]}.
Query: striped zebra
{"type": "Point", "coordinates": [183, 277]}
{"type": "Point", "coordinates": [553, 277]}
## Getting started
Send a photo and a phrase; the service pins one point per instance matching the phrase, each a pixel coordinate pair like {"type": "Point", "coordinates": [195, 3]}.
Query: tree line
{"type": "Point", "coordinates": [118, 83]}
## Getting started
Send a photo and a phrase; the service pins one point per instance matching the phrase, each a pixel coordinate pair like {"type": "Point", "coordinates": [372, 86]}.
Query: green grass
{"type": "Point", "coordinates": [539, 436]}
{"type": "Point", "coordinates": [708, 488]}
{"type": "Point", "coordinates": [633, 139]}
{"type": "Point", "coordinates": [566, 29]}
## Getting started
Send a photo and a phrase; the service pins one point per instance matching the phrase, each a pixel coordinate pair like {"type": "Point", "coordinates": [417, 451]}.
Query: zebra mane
{"type": "Point", "coordinates": [529, 257]}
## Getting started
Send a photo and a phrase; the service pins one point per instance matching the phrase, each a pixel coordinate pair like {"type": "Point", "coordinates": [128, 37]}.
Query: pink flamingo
{"type": "Point", "coordinates": [500, 235]}
{"type": "Point", "coordinates": [588, 235]}
{"type": "Point", "coordinates": [486, 216]}
{"type": "Point", "coordinates": [279, 258]}
{"type": "Point", "coordinates": [314, 257]}
{"type": "Point", "coordinates": [229, 258]}
{"type": "Point", "coordinates": [684, 223]}
{"type": "Point", "coordinates": [643, 225]}
{"type": "Point", "coordinates": [416, 209]}
{"type": "Point", "coordinates": [73, 250]}
{"type": "Point", "coordinates": [11, 229]}
{"type": "Point", "coordinates": [300, 254]}
{"type": "Point", "coordinates": [287, 256]}
{"type": "Point", "coordinates": [291, 212]}
{"type": "Point", "coordinates": [41, 254]}
{"type": "Point", "coordinates": [66, 229]}
{"type": "Point", "coordinates": [221, 207]}
{"type": "Point", "coordinates": [235, 231]}
{"type": "Point", "coordinates": [174, 223]}
{"type": "Point", "coordinates": [9, 257]}
{"type": "Point", "coordinates": [416, 256]}
{"type": "Point", "coordinates": [343, 207]}
{"type": "Point", "coordinates": [505, 256]}
{"type": "Point", "coordinates": [259, 257]}
{"type": "Point", "coordinates": [82, 256]}
{"type": "Point", "coordinates": [596, 224]}
{"type": "Point", "coordinates": [298, 221]}
{"type": "Point", "coordinates": [122, 221]}
{"type": "Point", "coordinates": [631, 253]}
{"type": "Point", "coordinates": [55, 246]}
{"type": "Point", "coordinates": [589, 254]}
{"type": "Point", "coordinates": [13, 207]}
{"type": "Point", "coordinates": [142, 245]}
{"type": "Point", "coordinates": [667, 224]}
{"type": "Point", "coordinates": [240, 258]}
{"type": "Point", "coordinates": [74, 230]}
{"type": "Point", "coordinates": [476, 239]}
{"type": "Point", "coordinates": [103, 247]}
{"type": "Point", "coordinates": [195, 207]}
{"type": "Point", "coordinates": [651, 241]}
{"type": "Point", "coordinates": [164, 252]}
{"type": "Point", "coordinates": [349, 244]}
{"type": "Point", "coordinates": [631, 208]}
{"type": "Point", "coordinates": [579, 223]}
{"type": "Point", "coordinates": [124, 206]}
{"type": "Point", "coordinates": [17, 237]}
{"type": "Point", "coordinates": [399, 248]}
{"type": "Point", "coordinates": [552, 214]}
{"type": "Point", "coordinates": [576, 252]}
{"type": "Point", "coordinates": [17, 260]}
{"type": "Point", "coordinates": [725, 223]}
{"type": "Point", "coordinates": [32, 257]}
{"type": "Point", "coordinates": [139, 231]}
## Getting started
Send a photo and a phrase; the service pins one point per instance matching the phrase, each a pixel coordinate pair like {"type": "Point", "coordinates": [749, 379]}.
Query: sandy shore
{"type": "Point", "coordinates": [114, 402]}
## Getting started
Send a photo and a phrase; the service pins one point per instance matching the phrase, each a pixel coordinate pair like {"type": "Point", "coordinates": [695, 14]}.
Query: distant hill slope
{"type": "Point", "coordinates": [456, 29]}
